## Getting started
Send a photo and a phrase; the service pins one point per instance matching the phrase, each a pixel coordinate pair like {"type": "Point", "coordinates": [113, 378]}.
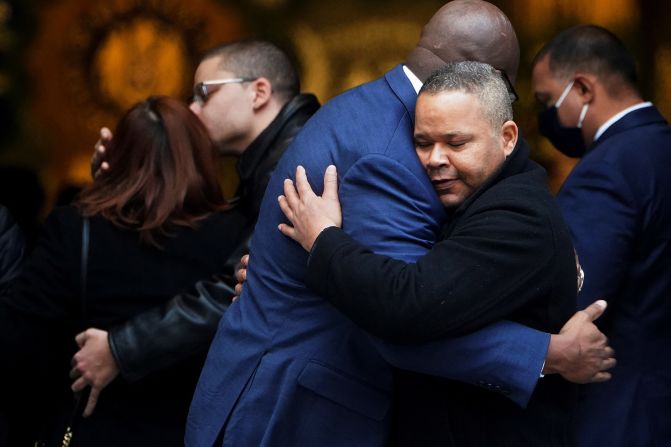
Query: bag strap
{"type": "Point", "coordinates": [82, 396]}
{"type": "Point", "coordinates": [86, 237]}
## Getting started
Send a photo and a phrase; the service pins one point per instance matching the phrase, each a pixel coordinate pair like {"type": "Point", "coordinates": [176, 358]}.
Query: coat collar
{"type": "Point", "coordinates": [637, 118]}
{"type": "Point", "coordinates": [402, 88]}
{"type": "Point", "coordinates": [256, 152]}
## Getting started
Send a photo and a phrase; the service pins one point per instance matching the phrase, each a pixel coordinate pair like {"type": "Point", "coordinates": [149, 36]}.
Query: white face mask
{"type": "Point", "coordinates": [563, 96]}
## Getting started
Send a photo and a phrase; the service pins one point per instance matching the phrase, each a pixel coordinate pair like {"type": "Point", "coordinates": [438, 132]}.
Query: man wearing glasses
{"type": "Point", "coordinates": [247, 95]}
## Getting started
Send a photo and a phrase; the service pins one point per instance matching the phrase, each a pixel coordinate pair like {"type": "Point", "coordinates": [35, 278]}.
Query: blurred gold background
{"type": "Point", "coordinates": [69, 67]}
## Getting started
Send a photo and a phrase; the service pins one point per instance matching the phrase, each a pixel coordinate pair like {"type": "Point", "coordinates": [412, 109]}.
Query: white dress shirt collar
{"type": "Point", "coordinates": [615, 118]}
{"type": "Point", "coordinates": [414, 80]}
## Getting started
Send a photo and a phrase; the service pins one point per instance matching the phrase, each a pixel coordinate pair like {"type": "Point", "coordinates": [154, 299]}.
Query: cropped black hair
{"type": "Point", "coordinates": [591, 49]}
{"type": "Point", "coordinates": [259, 58]}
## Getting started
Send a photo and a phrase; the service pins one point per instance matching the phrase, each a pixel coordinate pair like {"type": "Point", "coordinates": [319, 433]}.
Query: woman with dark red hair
{"type": "Point", "coordinates": [150, 226]}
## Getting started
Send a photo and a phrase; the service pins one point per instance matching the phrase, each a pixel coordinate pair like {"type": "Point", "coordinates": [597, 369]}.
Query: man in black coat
{"type": "Point", "coordinates": [505, 254]}
{"type": "Point", "coordinates": [247, 94]}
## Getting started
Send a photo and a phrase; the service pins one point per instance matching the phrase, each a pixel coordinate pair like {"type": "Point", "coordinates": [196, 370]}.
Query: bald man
{"type": "Point", "coordinates": [286, 368]}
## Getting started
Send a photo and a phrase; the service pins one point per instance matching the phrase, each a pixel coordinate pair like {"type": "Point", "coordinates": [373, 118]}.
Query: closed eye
{"type": "Point", "coordinates": [421, 144]}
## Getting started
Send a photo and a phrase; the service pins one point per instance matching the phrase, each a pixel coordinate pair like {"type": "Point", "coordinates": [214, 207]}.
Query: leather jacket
{"type": "Point", "coordinates": [186, 324]}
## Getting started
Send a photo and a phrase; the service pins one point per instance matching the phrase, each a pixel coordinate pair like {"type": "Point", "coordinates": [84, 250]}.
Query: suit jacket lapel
{"type": "Point", "coordinates": [402, 88]}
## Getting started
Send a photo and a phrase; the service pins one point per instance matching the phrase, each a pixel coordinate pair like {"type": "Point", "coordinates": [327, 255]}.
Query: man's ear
{"type": "Point", "coordinates": [509, 134]}
{"type": "Point", "coordinates": [263, 92]}
{"type": "Point", "coordinates": [585, 84]}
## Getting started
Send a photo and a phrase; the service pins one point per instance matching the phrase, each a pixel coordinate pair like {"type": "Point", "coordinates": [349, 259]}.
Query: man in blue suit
{"type": "Point", "coordinates": [285, 367]}
{"type": "Point", "coordinates": [617, 202]}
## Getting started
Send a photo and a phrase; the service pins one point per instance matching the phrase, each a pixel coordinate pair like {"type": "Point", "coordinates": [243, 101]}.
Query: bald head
{"type": "Point", "coordinates": [466, 30]}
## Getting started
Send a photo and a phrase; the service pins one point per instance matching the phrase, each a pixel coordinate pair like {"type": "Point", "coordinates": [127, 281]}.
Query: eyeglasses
{"type": "Point", "coordinates": [203, 90]}
{"type": "Point", "coordinates": [511, 89]}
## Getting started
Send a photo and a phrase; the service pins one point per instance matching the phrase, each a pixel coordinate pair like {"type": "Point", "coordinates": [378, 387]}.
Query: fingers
{"type": "Point", "coordinates": [302, 184]}
{"type": "Point", "coordinates": [241, 275]}
{"type": "Point", "coordinates": [99, 151]}
{"type": "Point", "coordinates": [287, 230]}
{"type": "Point", "coordinates": [105, 134]}
{"type": "Point", "coordinates": [290, 197]}
{"type": "Point", "coordinates": [98, 165]}
{"type": "Point", "coordinates": [244, 261]}
{"type": "Point", "coordinates": [601, 376]}
{"type": "Point", "coordinates": [595, 310]}
{"type": "Point", "coordinates": [285, 206]}
{"type": "Point", "coordinates": [330, 183]}
{"type": "Point", "coordinates": [608, 364]}
{"type": "Point", "coordinates": [91, 402]}
{"type": "Point", "coordinates": [609, 352]}
{"type": "Point", "coordinates": [74, 373]}
{"type": "Point", "coordinates": [79, 385]}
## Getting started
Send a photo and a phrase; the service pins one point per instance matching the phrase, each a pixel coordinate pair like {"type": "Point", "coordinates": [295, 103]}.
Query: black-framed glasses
{"type": "Point", "coordinates": [514, 97]}
{"type": "Point", "coordinates": [203, 90]}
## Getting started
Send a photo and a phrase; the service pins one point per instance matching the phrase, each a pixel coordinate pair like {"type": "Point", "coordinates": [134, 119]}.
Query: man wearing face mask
{"type": "Point", "coordinates": [617, 202]}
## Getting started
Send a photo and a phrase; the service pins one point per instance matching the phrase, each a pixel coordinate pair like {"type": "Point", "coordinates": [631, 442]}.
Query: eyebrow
{"type": "Point", "coordinates": [448, 135]}
{"type": "Point", "coordinates": [456, 134]}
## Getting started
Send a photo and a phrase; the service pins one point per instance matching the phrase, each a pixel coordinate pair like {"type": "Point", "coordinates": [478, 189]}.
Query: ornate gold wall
{"type": "Point", "coordinates": [90, 61]}
{"type": "Point", "coordinates": [85, 62]}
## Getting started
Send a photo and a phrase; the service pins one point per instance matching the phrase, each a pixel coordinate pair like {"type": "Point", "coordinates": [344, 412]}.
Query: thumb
{"type": "Point", "coordinates": [331, 183]}
{"type": "Point", "coordinates": [596, 309]}
{"type": "Point", "coordinates": [81, 339]}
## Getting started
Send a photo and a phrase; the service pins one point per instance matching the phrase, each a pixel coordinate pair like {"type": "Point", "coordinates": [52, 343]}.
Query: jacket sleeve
{"type": "Point", "coordinates": [164, 335]}
{"type": "Point", "coordinates": [390, 207]}
{"type": "Point", "coordinates": [485, 270]}
{"type": "Point", "coordinates": [506, 358]}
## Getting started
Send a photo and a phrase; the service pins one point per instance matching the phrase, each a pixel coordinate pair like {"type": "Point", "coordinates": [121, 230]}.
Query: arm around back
{"type": "Point", "coordinates": [389, 208]}
{"type": "Point", "coordinates": [480, 273]}
{"type": "Point", "coordinates": [505, 358]}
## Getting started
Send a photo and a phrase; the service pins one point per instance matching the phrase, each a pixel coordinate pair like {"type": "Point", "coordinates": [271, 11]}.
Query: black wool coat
{"type": "Point", "coordinates": [505, 254]}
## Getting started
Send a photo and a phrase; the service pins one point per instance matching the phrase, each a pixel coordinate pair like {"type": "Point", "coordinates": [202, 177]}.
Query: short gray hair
{"type": "Point", "coordinates": [479, 79]}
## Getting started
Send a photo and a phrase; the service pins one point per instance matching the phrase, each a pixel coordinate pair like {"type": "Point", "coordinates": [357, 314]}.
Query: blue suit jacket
{"type": "Point", "coordinates": [617, 203]}
{"type": "Point", "coordinates": [286, 368]}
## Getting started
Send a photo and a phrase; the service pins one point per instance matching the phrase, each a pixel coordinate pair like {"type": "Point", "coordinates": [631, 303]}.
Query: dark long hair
{"type": "Point", "coordinates": [161, 172]}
